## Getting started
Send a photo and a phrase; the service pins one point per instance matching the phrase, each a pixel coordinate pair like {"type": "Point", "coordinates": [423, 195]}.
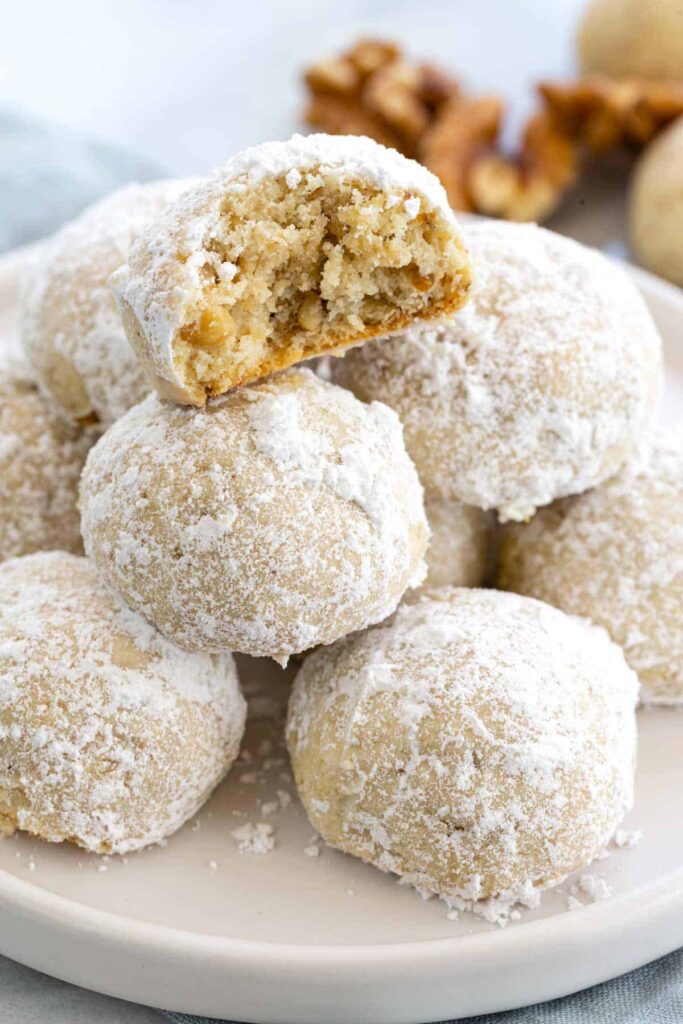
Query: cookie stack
{"type": "Point", "coordinates": [476, 742]}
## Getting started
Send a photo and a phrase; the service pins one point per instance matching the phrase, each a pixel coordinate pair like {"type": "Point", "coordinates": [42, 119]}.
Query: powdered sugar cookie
{"type": "Point", "coordinates": [281, 516]}
{"type": "Point", "coordinates": [478, 744]}
{"type": "Point", "coordinates": [41, 459]}
{"type": "Point", "coordinates": [655, 209]}
{"type": "Point", "coordinates": [290, 250]}
{"type": "Point", "coordinates": [111, 736]}
{"type": "Point", "coordinates": [71, 329]}
{"type": "Point", "coordinates": [538, 388]}
{"type": "Point", "coordinates": [615, 555]}
{"type": "Point", "coordinates": [462, 543]}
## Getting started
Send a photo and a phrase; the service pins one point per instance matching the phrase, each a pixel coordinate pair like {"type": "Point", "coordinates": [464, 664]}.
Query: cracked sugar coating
{"type": "Point", "coordinates": [538, 388]}
{"type": "Point", "coordinates": [281, 516]}
{"type": "Point", "coordinates": [111, 736]}
{"type": "Point", "coordinates": [71, 329]}
{"type": "Point", "coordinates": [615, 555]}
{"type": "Point", "coordinates": [477, 744]}
{"type": "Point", "coordinates": [462, 543]}
{"type": "Point", "coordinates": [41, 459]}
{"type": "Point", "coordinates": [290, 250]}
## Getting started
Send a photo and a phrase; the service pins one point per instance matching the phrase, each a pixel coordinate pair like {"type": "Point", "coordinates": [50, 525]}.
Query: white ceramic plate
{"type": "Point", "coordinates": [198, 926]}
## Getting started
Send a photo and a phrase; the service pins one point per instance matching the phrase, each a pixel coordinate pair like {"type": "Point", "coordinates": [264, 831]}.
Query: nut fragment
{"type": "Point", "coordinates": [310, 315]}
{"type": "Point", "coordinates": [214, 326]}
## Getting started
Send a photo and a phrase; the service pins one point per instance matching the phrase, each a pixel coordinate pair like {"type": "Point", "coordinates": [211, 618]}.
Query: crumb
{"type": "Point", "coordinates": [254, 838]}
{"type": "Point", "coordinates": [627, 838]}
{"type": "Point", "coordinates": [573, 903]}
{"type": "Point", "coordinates": [594, 887]}
{"type": "Point", "coordinates": [213, 865]}
{"type": "Point", "coordinates": [249, 778]}
{"type": "Point", "coordinates": [312, 851]}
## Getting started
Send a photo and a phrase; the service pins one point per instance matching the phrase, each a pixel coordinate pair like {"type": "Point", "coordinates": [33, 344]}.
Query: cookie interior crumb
{"type": "Point", "coordinates": [306, 269]}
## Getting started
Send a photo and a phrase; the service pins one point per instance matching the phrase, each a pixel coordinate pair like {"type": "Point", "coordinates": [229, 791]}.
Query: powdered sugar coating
{"type": "Point", "coordinates": [462, 543]}
{"type": "Point", "coordinates": [538, 388]}
{"type": "Point", "coordinates": [615, 555]}
{"type": "Point", "coordinates": [71, 329]}
{"type": "Point", "coordinates": [355, 155]}
{"type": "Point", "coordinates": [111, 736]}
{"type": "Point", "coordinates": [41, 459]}
{"type": "Point", "coordinates": [282, 516]}
{"type": "Point", "coordinates": [478, 743]}
{"type": "Point", "coordinates": [156, 289]}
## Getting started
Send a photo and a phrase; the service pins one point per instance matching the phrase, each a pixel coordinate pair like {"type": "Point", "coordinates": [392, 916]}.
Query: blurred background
{"type": "Point", "coordinates": [96, 94]}
{"type": "Point", "coordinates": [92, 94]}
{"type": "Point", "coordinates": [185, 84]}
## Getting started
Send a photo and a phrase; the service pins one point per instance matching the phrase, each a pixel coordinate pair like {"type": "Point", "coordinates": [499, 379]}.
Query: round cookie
{"type": "Point", "coordinates": [615, 555]}
{"type": "Point", "coordinates": [656, 205]}
{"type": "Point", "coordinates": [538, 388]}
{"type": "Point", "coordinates": [290, 250]}
{"type": "Point", "coordinates": [632, 37]}
{"type": "Point", "coordinates": [281, 516]}
{"type": "Point", "coordinates": [71, 329]}
{"type": "Point", "coordinates": [41, 459]}
{"type": "Point", "coordinates": [111, 736]}
{"type": "Point", "coordinates": [478, 743]}
{"type": "Point", "coordinates": [462, 541]}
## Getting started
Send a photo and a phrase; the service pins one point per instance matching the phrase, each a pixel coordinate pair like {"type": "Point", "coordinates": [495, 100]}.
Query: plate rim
{"type": "Point", "coordinates": [656, 908]}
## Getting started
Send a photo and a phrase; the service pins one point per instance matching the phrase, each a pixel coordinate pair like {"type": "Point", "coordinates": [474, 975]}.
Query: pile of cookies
{"type": "Point", "coordinates": [479, 742]}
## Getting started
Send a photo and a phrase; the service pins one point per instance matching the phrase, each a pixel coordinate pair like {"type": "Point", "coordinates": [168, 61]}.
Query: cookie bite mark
{"type": "Point", "coordinates": [293, 249]}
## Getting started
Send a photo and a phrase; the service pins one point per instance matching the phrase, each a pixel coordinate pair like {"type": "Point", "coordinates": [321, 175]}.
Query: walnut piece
{"type": "Point", "coordinates": [605, 114]}
{"type": "Point", "coordinates": [373, 89]}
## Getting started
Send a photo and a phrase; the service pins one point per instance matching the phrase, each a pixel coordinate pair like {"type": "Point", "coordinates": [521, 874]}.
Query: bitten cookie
{"type": "Point", "coordinates": [111, 736]}
{"type": "Point", "coordinates": [540, 387]}
{"type": "Point", "coordinates": [615, 555]}
{"type": "Point", "coordinates": [71, 329]}
{"type": "Point", "coordinates": [290, 250]}
{"type": "Point", "coordinates": [478, 744]}
{"type": "Point", "coordinates": [280, 516]}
